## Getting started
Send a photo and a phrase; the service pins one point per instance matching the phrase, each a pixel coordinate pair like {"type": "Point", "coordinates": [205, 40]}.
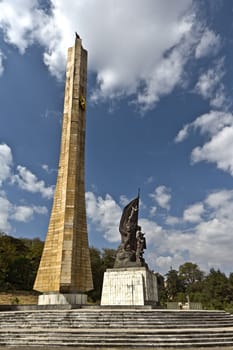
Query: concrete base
{"type": "Point", "coordinates": [62, 299]}
{"type": "Point", "coordinates": [129, 286]}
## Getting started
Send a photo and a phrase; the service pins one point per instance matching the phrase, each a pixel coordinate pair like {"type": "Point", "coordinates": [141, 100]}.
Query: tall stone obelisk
{"type": "Point", "coordinates": [64, 274]}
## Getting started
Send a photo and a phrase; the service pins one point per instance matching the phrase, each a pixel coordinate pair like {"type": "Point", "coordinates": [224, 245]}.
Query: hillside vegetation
{"type": "Point", "coordinates": [20, 257]}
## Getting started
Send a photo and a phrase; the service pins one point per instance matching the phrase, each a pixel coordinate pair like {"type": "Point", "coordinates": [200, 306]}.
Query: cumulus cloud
{"type": "Point", "coordinates": [153, 210]}
{"type": "Point", "coordinates": [105, 213]}
{"type": "Point", "coordinates": [25, 213]}
{"type": "Point", "coordinates": [27, 181]}
{"type": "Point", "coordinates": [208, 81]}
{"type": "Point", "coordinates": [218, 127]}
{"type": "Point", "coordinates": [210, 87]}
{"type": "Point", "coordinates": [208, 242]}
{"type": "Point", "coordinates": [21, 213]}
{"type": "Point", "coordinates": [127, 55]}
{"type": "Point", "coordinates": [194, 212]}
{"type": "Point", "coordinates": [1, 63]}
{"type": "Point", "coordinates": [211, 232]}
{"type": "Point", "coordinates": [218, 150]}
{"type": "Point", "coordinates": [124, 200]}
{"type": "Point", "coordinates": [5, 210]}
{"type": "Point", "coordinates": [219, 99]}
{"type": "Point", "coordinates": [162, 196]}
{"type": "Point", "coordinates": [209, 44]}
{"type": "Point", "coordinates": [182, 134]}
{"type": "Point", "coordinates": [6, 162]}
{"type": "Point", "coordinates": [46, 168]}
{"type": "Point", "coordinates": [172, 220]}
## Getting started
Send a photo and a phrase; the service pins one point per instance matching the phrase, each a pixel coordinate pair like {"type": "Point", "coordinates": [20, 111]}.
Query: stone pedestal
{"type": "Point", "coordinates": [62, 299]}
{"type": "Point", "coordinates": [129, 286]}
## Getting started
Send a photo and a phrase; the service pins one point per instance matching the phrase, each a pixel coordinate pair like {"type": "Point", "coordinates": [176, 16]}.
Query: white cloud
{"type": "Point", "coordinates": [213, 122]}
{"type": "Point", "coordinates": [1, 63]}
{"type": "Point", "coordinates": [149, 180]}
{"type": "Point", "coordinates": [218, 150]}
{"type": "Point", "coordinates": [25, 213]}
{"type": "Point", "coordinates": [220, 100]}
{"type": "Point", "coordinates": [6, 162]}
{"type": "Point", "coordinates": [164, 78]}
{"type": "Point", "coordinates": [172, 220]}
{"type": "Point", "coordinates": [42, 210]}
{"type": "Point", "coordinates": [218, 127]}
{"type": "Point", "coordinates": [162, 196]}
{"type": "Point", "coordinates": [217, 198]}
{"type": "Point", "coordinates": [209, 85]}
{"type": "Point", "coordinates": [207, 82]}
{"type": "Point", "coordinates": [27, 181]}
{"type": "Point", "coordinates": [46, 168]}
{"type": "Point", "coordinates": [153, 210]}
{"type": "Point", "coordinates": [194, 212]}
{"type": "Point", "coordinates": [124, 200]}
{"type": "Point", "coordinates": [21, 213]}
{"type": "Point", "coordinates": [182, 134]}
{"type": "Point", "coordinates": [105, 213]}
{"type": "Point", "coordinates": [154, 232]}
{"type": "Point", "coordinates": [208, 243]}
{"type": "Point", "coordinates": [209, 44]}
{"type": "Point", "coordinates": [127, 55]}
{"type": "Point", "coordinates": [5, 210]}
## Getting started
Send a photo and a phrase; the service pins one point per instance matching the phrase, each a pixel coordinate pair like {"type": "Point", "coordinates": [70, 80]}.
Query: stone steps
{"type": "Point", "coordinates": [116, 319]}
{"type": "Point", "coordinates": [132, 339]}
{"type": "Point", "coordinates": [116, 328]}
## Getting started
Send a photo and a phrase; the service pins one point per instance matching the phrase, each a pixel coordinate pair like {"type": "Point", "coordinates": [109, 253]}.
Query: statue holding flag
{"type": "Point", "coordinates": [130, 281]}
{"type": "Point", "coordinates": [130, 252]}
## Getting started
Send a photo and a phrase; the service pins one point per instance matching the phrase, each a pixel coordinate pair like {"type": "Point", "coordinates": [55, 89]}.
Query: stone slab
{"type": "Point", "coordinates": [62, 299]}
{"type": "Point", "coordinates": [129, 286]}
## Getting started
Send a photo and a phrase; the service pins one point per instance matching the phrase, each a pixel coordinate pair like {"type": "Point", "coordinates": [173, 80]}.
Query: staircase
{"type": "Point", "coordinates": [126, 328]}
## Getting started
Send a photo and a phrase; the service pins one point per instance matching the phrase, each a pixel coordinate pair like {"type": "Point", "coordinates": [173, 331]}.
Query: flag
{"type": "Point", "coordinates": [129, 218]}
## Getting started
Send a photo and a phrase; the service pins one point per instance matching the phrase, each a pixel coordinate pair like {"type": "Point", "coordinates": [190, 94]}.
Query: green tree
{"type": "Point", "coordinates": [108, 258]}
{"type": "Point", "coordinates": [162, 292]}
{"type": "Point", "coordinates": [10, 248]}
{"type": "Point", "coordinates": [192, 280]}
{"type": "Point", "coordinates": [19, 260]}
{"type": "Point", "coordinates": [217, 292]}
{"type": "Point", "coordinates": [100, 262]}
{"type": "Point", "coordinates": [97, 274]}
{"type": "Point", "coordinates": [174, 285]}
{"type": "Point", "coordinates": [190, 273]}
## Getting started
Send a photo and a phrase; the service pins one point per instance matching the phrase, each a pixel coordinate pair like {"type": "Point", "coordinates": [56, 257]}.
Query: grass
{"type": "Point", "coordinates": [18, 297]}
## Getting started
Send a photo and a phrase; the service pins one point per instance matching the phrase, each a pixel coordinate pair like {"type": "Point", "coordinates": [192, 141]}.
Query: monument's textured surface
{"type": "Point", "coordinates": [65, 263]}
{"type": "Point", "coordinates": [130, 286]}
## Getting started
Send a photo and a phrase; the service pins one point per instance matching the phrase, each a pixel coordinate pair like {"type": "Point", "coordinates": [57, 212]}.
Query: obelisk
{"type": "Point", "coordinates": [64, 275]}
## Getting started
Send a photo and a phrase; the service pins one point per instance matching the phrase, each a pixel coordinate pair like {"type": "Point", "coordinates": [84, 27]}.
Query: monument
{"type": "Point", "coordinates": [130, 282]}
{"type": "Point", "coordinates": [64, 275]}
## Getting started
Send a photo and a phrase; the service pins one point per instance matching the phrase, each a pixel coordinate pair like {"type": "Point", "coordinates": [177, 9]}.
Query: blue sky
{"type": "Point", "coordinates": [159, 117]}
